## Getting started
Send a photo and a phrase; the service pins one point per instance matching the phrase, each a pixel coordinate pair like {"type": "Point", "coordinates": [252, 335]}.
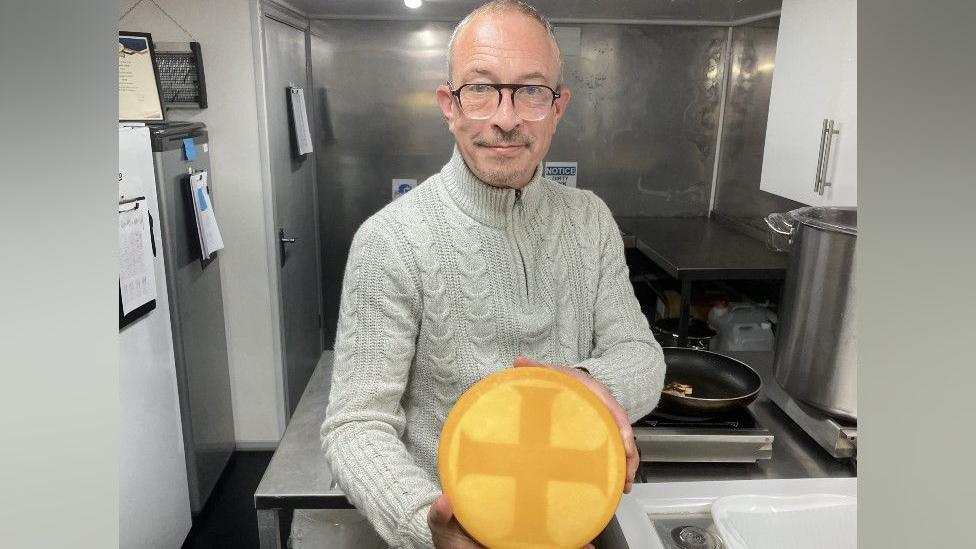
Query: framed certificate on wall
{"type": "Point", "coordinates": [139, 90]}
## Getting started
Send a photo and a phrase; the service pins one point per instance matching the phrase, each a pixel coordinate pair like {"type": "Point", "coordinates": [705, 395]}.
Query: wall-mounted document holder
{"type": "Point", "coordinates": [301, 134]}
{"type": "Point", "coordinates": [137, 248]}
{"type": "Point", "coordinates": [181, 79]}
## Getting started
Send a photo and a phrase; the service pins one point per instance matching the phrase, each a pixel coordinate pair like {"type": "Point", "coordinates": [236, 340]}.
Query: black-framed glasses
{"type": "Point", "coordinates": [480, 101]}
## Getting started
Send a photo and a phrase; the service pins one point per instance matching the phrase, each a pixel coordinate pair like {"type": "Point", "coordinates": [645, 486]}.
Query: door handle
{"type": "Point", "coordinates": [827, 133]}
{"type": "Point", "coordinates": [282, 240]}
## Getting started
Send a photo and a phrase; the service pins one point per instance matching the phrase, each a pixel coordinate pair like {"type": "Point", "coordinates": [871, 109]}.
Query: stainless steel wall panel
{"type": "Point", "coordinates": [643, 117]}
{"type": "Point", "coordinates": [661, 10]}
{"type": "Point", "coordinates": [642, 122]}
{"type": "Point", "coordinates": [376, 119]}
{"type": "Point", "coordinates": [744, 132]}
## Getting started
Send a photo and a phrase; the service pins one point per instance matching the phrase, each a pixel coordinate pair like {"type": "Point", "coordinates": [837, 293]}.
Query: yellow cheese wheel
{"type": "Point", "coordinates": [530, 457]}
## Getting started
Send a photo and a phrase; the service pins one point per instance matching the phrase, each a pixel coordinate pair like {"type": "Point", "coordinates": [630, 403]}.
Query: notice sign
{"type": "Point", "coordinates": [563, 173]}
{"type": "Point", "coordinates": [402, 187]}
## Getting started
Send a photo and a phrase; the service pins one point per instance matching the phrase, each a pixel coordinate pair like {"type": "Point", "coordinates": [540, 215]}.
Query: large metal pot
{"type": "Point", "coordinates": [816, 344]}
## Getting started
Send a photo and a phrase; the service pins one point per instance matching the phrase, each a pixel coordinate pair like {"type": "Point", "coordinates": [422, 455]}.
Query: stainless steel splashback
{"type": "Point", "coordinates": [641, 123]}
{"type": "Point", "coordinates": [376, 119]}
{"type": "Point", "coordinates": [661, 10]}
{"type": "Point", "coordinates": [744, 131]}
{"type": "Point", "coordinates": [643, 117]}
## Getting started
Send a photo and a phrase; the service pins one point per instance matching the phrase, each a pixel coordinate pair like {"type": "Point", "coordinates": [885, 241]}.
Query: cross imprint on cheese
{"type": "Point", "coordinates": [533, 462]}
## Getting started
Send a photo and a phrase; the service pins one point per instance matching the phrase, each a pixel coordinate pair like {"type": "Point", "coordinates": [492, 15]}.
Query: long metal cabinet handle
{"type": "Point", "coordinates": [826, 156]}
{"type": "Point", "coordinates": [820, 157]}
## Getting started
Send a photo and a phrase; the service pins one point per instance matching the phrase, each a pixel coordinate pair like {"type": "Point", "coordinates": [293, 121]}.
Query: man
{"type": "Point", "coordinates": [484, 263]}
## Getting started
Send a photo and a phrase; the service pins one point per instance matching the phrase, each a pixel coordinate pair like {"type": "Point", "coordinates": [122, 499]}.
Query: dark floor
{"type": "Point", "coordinates": [228, 520]}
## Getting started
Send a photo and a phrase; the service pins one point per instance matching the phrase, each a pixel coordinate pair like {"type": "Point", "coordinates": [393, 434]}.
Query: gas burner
{"type": "Point", "coordinates": [694, 537]}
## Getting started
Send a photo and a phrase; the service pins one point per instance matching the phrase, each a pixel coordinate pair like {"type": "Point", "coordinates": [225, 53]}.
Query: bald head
{"type": "Point", "coordinates": [496, 8]}
{"type": "Point", "coordinates": [503, 42]}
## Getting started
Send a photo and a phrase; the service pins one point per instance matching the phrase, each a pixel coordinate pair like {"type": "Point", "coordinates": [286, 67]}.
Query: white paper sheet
{"type": "Point", "coordinates": [303, 136]}
{"type": "Point", "coordinates": [137, 278]}
{"type": "Point", "coordinates": [207, 230]}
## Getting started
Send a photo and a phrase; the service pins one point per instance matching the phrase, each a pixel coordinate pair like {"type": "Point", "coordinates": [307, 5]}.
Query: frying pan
{"type": "Point", "coordinates": [720, 384]}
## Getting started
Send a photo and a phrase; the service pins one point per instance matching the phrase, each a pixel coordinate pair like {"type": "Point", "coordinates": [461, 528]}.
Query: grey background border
{"type": "Point", "coordinates": [916, 265]}
{"type": "Point", "coordinates": [59, 274]}
{"type": "Point", "coordinates": [58, 152]}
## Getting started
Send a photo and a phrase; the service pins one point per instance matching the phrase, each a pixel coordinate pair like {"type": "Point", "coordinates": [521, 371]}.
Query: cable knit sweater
{"type": "Point", "coordinates": [449, 284]}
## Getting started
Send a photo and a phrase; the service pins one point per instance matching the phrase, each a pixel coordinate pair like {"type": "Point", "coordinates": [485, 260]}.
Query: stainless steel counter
{"type": "Point", "coordinates": [298, 477]}
{"type": "Point", "coordinates": [700, 248]}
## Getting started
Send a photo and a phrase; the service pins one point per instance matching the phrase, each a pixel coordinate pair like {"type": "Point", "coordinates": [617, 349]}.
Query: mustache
{"type": "Point", "coordinates": [505, 139]}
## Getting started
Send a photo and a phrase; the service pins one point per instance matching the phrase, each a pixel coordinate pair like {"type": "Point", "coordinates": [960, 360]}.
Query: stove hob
{"type": "Point", "coordinates": [732, 438]}
{"type": "Point", "coordinates": [741, 418]}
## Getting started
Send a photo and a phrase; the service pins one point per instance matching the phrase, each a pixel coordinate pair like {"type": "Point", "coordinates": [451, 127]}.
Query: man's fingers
{"type": "Point", "coordinates": [440, 511]}
{"type": "Point", "coordinates": [521, 361]}
{"type": "Point", "coordinates": [633, 461]}
{"type": "Point", "coordinates": [627, 437]}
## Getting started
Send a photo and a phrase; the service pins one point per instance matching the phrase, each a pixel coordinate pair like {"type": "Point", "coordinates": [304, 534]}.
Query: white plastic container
{"type": "Point", "coordinates": [749, 337]}
{"type": "Point", "coordinates": [741, 327]}
{"type": "Point", "coordinates": [815, 521]}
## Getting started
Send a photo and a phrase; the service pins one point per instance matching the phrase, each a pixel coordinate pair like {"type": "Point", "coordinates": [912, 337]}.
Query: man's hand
{"type": "Point", "coordinates": [619, 416]}
{"type": "Point", "coordinates": [445, 529]}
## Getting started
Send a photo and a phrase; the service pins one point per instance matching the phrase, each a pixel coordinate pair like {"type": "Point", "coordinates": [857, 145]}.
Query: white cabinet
{"type": "Point", "coordinates": [814, 80]}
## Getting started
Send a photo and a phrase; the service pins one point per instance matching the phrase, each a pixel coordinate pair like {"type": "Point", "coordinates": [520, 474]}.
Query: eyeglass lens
{"type": "Point", "coordinates": [480, 101]}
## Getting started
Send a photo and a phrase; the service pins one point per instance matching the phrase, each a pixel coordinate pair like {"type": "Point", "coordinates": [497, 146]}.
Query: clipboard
{"type": "Point", "coordinates": [192, 231]}
{"type": "Point", "coordinates": [145, 308]}
{"type": "Point", "coordinates": [135, 314]}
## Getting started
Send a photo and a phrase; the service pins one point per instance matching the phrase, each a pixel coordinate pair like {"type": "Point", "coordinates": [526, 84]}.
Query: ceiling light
{"type": "Point", "coordinates": [414, 4]}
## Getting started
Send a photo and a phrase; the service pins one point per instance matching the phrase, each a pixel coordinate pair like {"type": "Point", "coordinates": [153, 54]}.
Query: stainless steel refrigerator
{"type": "Point", "coordinates": [196, 309]}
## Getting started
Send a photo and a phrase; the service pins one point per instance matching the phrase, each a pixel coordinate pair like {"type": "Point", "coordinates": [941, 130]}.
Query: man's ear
{"type": "Point", "coordinates": [561, 103]}
{"type": "Point", "coordinates": [445, 100]}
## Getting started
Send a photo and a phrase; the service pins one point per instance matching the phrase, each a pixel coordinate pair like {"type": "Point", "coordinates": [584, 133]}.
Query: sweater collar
{"type": "Point", "coordinates": [484, 203]}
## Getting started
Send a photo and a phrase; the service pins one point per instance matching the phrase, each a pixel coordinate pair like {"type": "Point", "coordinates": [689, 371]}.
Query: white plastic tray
{"type": "Point", "coordinates": [815, 521]}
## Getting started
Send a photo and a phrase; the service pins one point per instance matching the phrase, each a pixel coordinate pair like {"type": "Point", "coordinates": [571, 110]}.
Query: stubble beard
{"type": "Point", "coordinates": [504, 173]}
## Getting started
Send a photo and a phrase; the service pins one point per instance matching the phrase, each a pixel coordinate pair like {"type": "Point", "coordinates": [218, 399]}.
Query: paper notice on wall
{"type": "Point", "coordinates": [563, 173]}
{"type": "Point", "coordinates": [137, 273]}
{"type": "Point", "coordinates": [299, 116]}
{"type": "Point", "coordinates": [207, 230]}
{"type": "Point", "coordinates": [402, 187]}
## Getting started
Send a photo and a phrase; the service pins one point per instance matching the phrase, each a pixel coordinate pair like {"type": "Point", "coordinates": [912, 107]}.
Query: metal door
{"type": "Point", "coordinates": [294, 194]}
